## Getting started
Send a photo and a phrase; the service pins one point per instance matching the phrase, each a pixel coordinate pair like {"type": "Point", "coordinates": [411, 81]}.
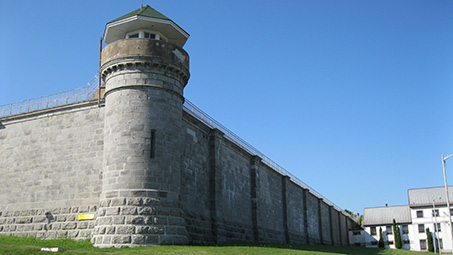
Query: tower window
{"type": "Point", "coordinates": [145, 34]}
{"type": "Point", "coordinates": [133, 35]}
{"type": "Point", "coordinates": [150, 35]}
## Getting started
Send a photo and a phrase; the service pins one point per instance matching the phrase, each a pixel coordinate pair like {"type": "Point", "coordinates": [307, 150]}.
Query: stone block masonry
{"type": "Point", "coordinates": [226, 194]}
{"type": "Point", "coordinates": [141, 170]}
{"type": "Point", "coordinates": [49, 223]}
{"type": "Point", "coordinates": [147, 172]}
{"type": "Point", "coordinates": [232, 196]}
{"type": "Point", "coordinates": [52, 158]}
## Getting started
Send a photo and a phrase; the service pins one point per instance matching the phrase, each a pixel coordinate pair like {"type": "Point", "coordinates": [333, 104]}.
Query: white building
{"type": "Point", "coordinates": [427, 209]}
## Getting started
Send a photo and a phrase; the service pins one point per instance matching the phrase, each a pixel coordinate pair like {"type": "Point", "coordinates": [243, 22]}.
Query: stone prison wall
{"type": "Point", "coordinates": [51, 178]}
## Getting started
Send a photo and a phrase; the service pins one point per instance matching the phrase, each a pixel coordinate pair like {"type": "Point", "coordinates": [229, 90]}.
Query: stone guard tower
{"type": "Point", "coordinates": [145, 70]}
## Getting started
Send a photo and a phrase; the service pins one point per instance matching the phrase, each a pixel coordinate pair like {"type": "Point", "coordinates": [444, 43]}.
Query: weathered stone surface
{"type": "Point", "coordinates": [112, 211]}
{"type": "Point", "coordinates": [138, 239]}
{"type": "Point", "coordinates": [129, 210]}
{"type": "Point", "coordinates": [146, 211]}
{"type": "Point", "coordinates": [117, 201]}
{"type": "Point", "coordinates": [121, 239]}
{"type": "Point", "coordinates": [125, 230]}
{"type": "Point", "coordinates": [69, 225]}
{"type": "Point", "coordinates": [23, 220]}
{"type": "Point", "coordinates": [136, 201]}
{"type": "Point", "coordinates": [191, 184]}
{"type": "Point", "coordinates": [104, 221]}
{"type": "Point", "coordinates": [135, 220]}
{"type": "Point", "coordinates": [82, 225]}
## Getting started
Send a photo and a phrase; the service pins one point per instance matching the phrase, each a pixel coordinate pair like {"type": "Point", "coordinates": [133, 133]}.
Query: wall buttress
{"type": "Point", "coordinates": [254, 175]}
{"type": "Point", "coordinates": [321, 239]}
{"type": "Point", "coordinates": [215, 183]}
{"type": "Point", "coordinates": [285, 180]}
{"type": "Point", "coordinates": [304, 197]}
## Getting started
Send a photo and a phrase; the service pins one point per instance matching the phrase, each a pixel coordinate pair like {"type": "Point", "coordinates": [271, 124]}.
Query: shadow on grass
{"type": "Point", "coordinates": [346, 250]}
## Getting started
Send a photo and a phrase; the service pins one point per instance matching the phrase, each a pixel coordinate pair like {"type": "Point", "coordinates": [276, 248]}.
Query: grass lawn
{"type": "Point", "coordinates": [26, 245]}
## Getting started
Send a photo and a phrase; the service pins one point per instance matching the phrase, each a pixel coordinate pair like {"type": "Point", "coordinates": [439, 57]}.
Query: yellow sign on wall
{"type": "Point", "coordinates": [85, 217]}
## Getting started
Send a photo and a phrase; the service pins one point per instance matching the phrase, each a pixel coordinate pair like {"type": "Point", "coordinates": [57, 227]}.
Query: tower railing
{"type": "Point", "coordinates": [56, 99]}
{"type": "Point", "coordinates": [87, 92]}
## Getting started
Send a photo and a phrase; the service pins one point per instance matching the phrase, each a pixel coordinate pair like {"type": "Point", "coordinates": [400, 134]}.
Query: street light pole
{"type": "Point", "coordinates": [446, 193]}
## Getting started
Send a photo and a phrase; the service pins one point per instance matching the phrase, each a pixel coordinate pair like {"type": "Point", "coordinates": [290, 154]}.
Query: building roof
{"type": "Point", "coordinates": [145, 18]}
{"type": "Point", "coordinates": [385, 215]}
{"type": "Point", "coordinates": [146, 11]}
{"type": "Point", "coordinates": [426, 196]}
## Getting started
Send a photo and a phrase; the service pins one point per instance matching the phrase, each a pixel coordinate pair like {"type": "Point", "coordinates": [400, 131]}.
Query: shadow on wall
{"type": "Point", "coordinates": [2, 126]}
{"type": "Point", "coordinates": [338, 250]}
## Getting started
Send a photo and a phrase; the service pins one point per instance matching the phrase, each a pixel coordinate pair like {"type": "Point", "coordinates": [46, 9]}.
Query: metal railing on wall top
{"type": "Point", "coordinates": [57, 99]}
{"type": "Point", "coordinates": [196, 112]}
{"type": "Point", "coordinates": [87, 92]}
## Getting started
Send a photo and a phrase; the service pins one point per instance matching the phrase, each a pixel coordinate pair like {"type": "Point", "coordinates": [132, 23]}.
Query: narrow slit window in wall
{"type": "Point", "coordinates": [153, 143]}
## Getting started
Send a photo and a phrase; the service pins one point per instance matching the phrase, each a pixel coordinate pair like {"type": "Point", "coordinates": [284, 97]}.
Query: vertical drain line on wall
{"type": "Point", "coordinates": [152, 153]}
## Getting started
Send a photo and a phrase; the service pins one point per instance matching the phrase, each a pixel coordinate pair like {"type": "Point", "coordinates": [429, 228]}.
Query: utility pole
{"type": "Point", "coordinates": [446, 194]}
{"type": "Point", "coordinates": [436, 229]}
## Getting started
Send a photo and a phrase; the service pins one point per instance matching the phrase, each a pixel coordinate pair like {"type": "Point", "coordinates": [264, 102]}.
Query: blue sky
{"type": "Point", "coordinates": [352, 97]}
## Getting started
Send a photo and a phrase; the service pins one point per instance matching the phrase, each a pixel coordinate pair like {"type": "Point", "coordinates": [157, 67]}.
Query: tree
{"type": "Point", "coordinates": [381, 243]}
{"type": "Point", "coordinates": [360, 220]}
{"type": "Point", "coordinates": [430, 240]}
{"type": "Point", "coordinates": [397, 235]}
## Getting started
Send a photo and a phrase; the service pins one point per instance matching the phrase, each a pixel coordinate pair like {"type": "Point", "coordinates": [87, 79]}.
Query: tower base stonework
{"type": "Point", "coordinates": [154, 219]}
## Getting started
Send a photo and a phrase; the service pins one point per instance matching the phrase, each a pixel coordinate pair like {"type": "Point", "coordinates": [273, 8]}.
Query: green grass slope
{"type": "Point", "coordinates": [25, 245]}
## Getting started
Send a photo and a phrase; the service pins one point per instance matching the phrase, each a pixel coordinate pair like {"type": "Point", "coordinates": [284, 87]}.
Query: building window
{"type": "Point", "coordinates": [441, 243]}
{"type": "Point", "coordinates": [373, 231]}
{"type": "Point", "coordinates": [437, 227]}
{"type": "Point", "coordinates": [435, 213]}
{"type": "Point", "coordinates": [356, 233]}
{"type": "Point", "coordinates": [389, 230]}
{"type": "Point", "coordinates": [421, 228]}
{"type": "Point", "coordinates": [405, 229]}
{"type": "Point", "coordinates": [390, 242]}
{"type": "Point", "coordinates": [405, 241]}
{"type": "Point", "coordinates": [423, 244]}
{"type": "Point", "coordinates": [373, 243]}
{"type": "Point", "coordinates": [419, 214]}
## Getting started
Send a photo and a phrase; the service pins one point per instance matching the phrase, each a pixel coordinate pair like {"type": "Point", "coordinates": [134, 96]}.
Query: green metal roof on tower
{"type": "Point", "coordinates": [146, 11]}
{"type": "Point", "coordinates": [145, 19]}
